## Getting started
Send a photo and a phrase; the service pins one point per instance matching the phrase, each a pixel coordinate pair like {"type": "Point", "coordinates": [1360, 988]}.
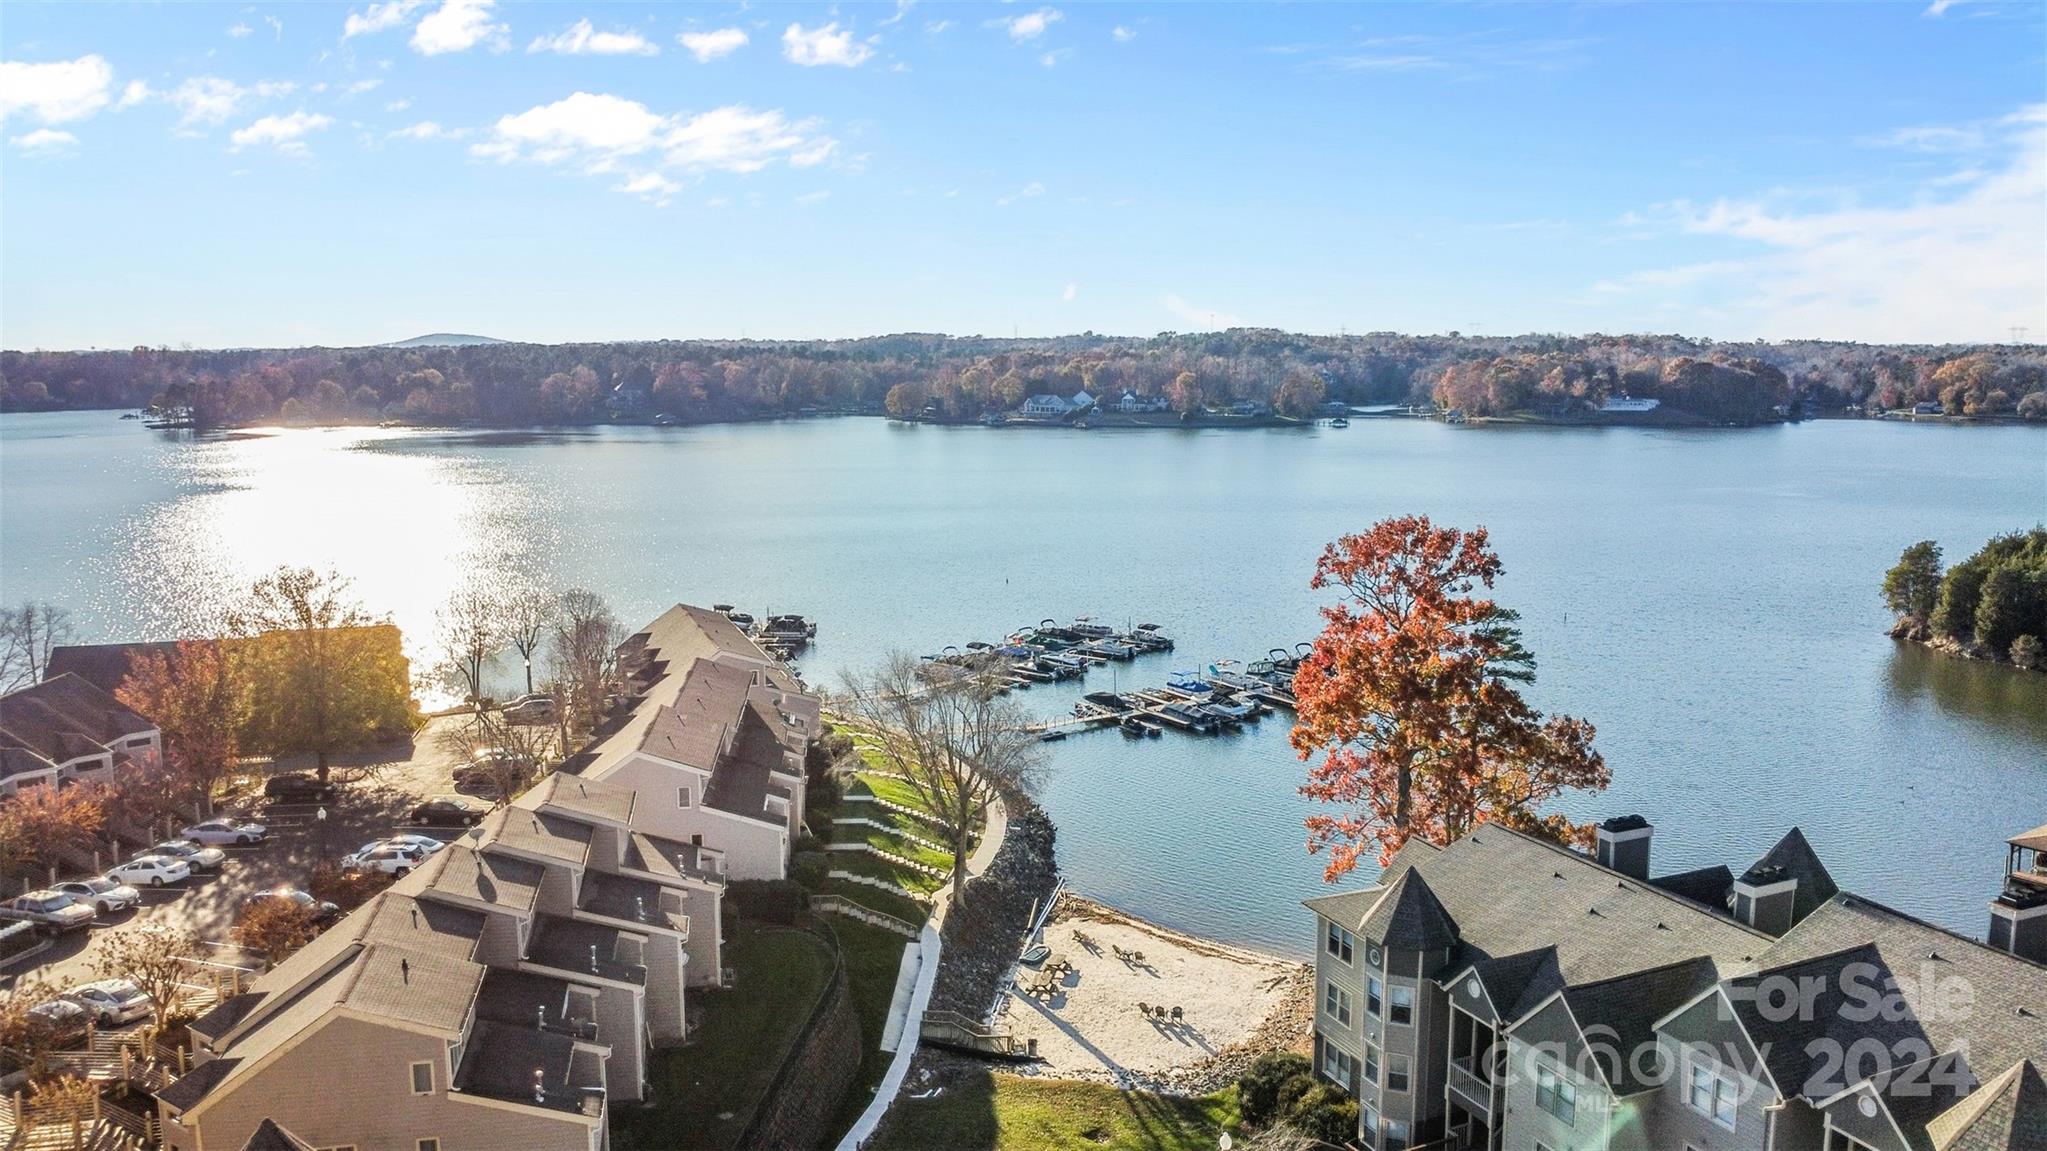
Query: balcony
{"type": "Point", "coordinates": [1473, 1087]}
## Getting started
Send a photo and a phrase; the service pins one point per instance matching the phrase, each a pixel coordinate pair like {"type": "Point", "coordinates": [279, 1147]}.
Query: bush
{"type": "Point", "coordinates": [2025, 652]}
{"type": "Point", "coordinates": [778, 901]}
{"type": "Point", "coordinates": [809, 869]}
{"type": "Point", "coordinates": [347, 890]}
{"type": "Point", "coordinates": [822, 798]}
{"type": "Point", "coordinates": [1325, 1113]}
{"type": "Point", "coordinates": [1291, 1092]}
{"type": "Point", "coordinates": [1258, 1088]}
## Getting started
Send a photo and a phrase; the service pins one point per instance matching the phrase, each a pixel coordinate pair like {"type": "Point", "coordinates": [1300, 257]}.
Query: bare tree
{"type": "Point", "coordinates": [505, 757]}
{"type": "Point", "coordinates": [472, 632]}
{"type": "Point", "coordinates": [28, 634]}
{"type": "Point", "coordinates": [954, 740]}
{"type": "Point", "coordinates": [584, 645]}
{"type": "Point", "coordinates": [528, 614]}
{"type": "Point", "coordinates": [152, 957]}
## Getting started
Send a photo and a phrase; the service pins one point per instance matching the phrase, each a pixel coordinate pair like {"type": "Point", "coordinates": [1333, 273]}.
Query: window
{"type": "Point", "coordinates": [1368, 1121]}
{"type": "Point", "coordinates": [1710, 1093]}
{"type": "Point", "coordinates": [429, 1145]}
{"type": "Point", "coordinates": [1372, 1063]}
{"type": "Point", "coordinates": [422, 1079]}
{"type": "Point", "coordinates": [1336, 1003]}
{"type": "Point", "coordinates": [1373, 993]}
{"type": "Point", "coordinates": [1374, 956]}
{"type": "Point", "coordinates": [1396, 1073]}
{"type": "Point", "coordinates": [1556, 1096]}
{"type": "Point", "coordinates": [682, 797]}
{"type": "Point", "coordinates": [1341, 943]}
{"type": "Point", "coordinates": [1396, 1135]}
{"type": "Point", "coordinates": [1403, 1005]}
{"type": "Point", "coordinates": [1338, 1065]}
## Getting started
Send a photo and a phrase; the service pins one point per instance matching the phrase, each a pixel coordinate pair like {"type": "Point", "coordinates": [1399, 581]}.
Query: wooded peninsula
{"type": "Point", "coordinates": [967, 378]}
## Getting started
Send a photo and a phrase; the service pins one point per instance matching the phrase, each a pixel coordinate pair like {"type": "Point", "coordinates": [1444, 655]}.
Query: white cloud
{"type": "Point", "coordinates": [276, 26]}
{"type": "Point", "coordinates": [212, 99]}
{"type": "Point", "coordinates": [398, 105]}
{"type": "Point", "coordinates": [1199, 318]}
{"type": "Point", "coordinates": [424, 130]}
{"type": "Point", "coordinates": [709, 46]}
{"type": "Point", "coordinates": [1940, 7]}
{"type": "Point", "coordinates": [285, 133]}
{"type": "Point", "coordinates": [599, 132]}
{"type": "Point", "coordinates": [1122, 35]}
{"type": "Point", "coordinates": [134, 93]}
{"type": "Point", "coordinates": [1051, 59]}
{"type": "Point", "coordinates": [378, 17]}
{"type": "Point", "coordinates": [239, 30]}
{"type": "Point", "coordinates": [902, 9]}
{"type": "Point", "coordinates": [1071, 293]}
{"type": "Point", "coordinates": [809, 198]}
{"type": "Point", "coordinates": [582, 39]}
{"type": "Point", "coordinates": [1937, 138]}
{"type": "Point", "coordinates": [651, 186]}
{"type": "Point", "coordinates": [361, 86]}
{"type": "Point", "coordinates": [458, 26]}
{"type": "Point", "coordinates": [936, 27]}
{"type": "Point", "coordinates": [1029, 191]}
{"type": "Point", "coordinates": [823, 45]}
{"type": "Point", "coordinates": [43, 141]}
{"type": "Point", "coordinates": [57, 92]}
{"type": "Point", "coordinates": [1031, 25]}
{"type": "Point", "coordinates": [1959, 261]}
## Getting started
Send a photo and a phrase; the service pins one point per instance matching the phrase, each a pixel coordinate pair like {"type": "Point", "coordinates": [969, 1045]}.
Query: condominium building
{"type": "Point", "coordinates": [1509, 994]}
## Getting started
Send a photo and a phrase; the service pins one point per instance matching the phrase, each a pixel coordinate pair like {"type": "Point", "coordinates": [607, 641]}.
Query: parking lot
{"type": "Point", "coordinates": [378, 787]}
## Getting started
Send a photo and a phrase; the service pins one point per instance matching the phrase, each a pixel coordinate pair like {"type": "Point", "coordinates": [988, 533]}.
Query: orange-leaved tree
{"type": "Point", "coordinates": [1410, 698]}
{"type": "Point", "coordinates": [198, 696]}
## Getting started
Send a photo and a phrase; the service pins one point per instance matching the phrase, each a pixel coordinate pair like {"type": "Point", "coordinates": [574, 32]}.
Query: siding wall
{"type": "Point", "coordinates": [1526, 1124]}
{"type": "Point", "coordinates": [1676, 1124]}
{"type": "Point", "coordinates": [753, 849]}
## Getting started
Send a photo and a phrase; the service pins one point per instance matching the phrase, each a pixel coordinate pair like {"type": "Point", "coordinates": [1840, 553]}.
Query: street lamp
{"type": "Point", "coordinates": [320, 819]}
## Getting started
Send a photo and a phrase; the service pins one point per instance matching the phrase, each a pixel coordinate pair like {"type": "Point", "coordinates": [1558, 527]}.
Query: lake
{"type": "Point", "coordinates": [1707, 599]}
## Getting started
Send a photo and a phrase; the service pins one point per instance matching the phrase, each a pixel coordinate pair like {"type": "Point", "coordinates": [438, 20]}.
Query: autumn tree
{"type": "Point", "coordinates": [1184, 393]}
{"type": "Point", "coordinates": [197, 695]}
{"type": "Point", "coordinates": [1411, 698]}
{"type": "Point", "coordinates": [36, 821]}
{"type": "Point", "coordinates": [28, 634]}
{"type": "Point", "coordinates": [323, 681]}
{"type": "Point", "coordinates": [274, 928]}
{"type": "Point", "coordinates": [32, 1038]}
{"type": "Point", "coordinates": [956, 742]}
{"type": "Point", "coordinates": [1913, 587]}
{"type": "Point", "coordinates": [154, 957]}
{"type": "Point", "coordinates": [1301, 396]}
{"type": "Point", "coordinates": [584, 645]}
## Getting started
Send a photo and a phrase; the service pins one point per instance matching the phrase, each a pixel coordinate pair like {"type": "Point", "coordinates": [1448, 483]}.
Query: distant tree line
{"type": "Point", "coordinates": [961, 377]}
{"type": "Point", "coordinates": [1992, 605]}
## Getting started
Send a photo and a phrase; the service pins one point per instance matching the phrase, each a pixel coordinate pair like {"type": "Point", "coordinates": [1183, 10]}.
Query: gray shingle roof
{"type": "Point", "coordinates": [1619, 1015]}
{"type": "Point", "coordinates": [268, 1136]}
{"type": "Point", "coordinates": [1794, 858]}
{"type": "Point", "coordinates": [1707, 886]}
{"type": "Point", "coordinates": [197, 1083]}
{"type": "Point", "coordinates": [60, 719]}
{"type": "Point", "coordinates": [1410, 917]}
{"type": "Point", "coordinates": [2008, 1113]}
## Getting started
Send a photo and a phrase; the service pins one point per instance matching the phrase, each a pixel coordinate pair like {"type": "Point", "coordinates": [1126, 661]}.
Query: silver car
{"type": "Point", "coordinates": [226, 833]}
{"type": "Point", "coordinates": [197, 856]}
{"type": "Point", "coordinates": [111, 1001]}
{"type": "Point", "coordinates": [105, 895]}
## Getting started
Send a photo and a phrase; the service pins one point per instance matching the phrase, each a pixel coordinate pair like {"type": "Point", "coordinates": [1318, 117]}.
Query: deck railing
{"type": "Point", "coordinates": [1472, 1087]}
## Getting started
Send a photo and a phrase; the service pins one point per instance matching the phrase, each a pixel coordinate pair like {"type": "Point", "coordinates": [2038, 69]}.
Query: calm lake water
{"type": "Point", "coordinates": [1706, 598]}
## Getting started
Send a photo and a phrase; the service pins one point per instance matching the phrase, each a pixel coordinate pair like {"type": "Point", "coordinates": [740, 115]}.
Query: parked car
{"type": "Point", "coordinates": [488, 766]}
{"type": "Point", "coordinates": [450, 812]}
{"type": "Point", "coordinates": [535, 708]}
{"type": "Point", "coordinates": [389, 858]}
{"type": "Point", "coordinates": [224, 832]}
{"type": "Point", "coordinates": [323, 911]}
{"type": "Point", "coordinates": [52, 912]}
{"type": "Point", "coordinates": [105, 895]}
{"type": "Point", "coordinates": [196, 855]}
{"type": "Point", "coordinates": [151, 871]}
{"type": "Point", "coordinates": [111, 1001]}
{"type": "Point", "coordinates": [61, 1017]}
{"type": "Point", "coordinates": [427, 844]}
{"type": "Point", "coordinates": [298, 788]}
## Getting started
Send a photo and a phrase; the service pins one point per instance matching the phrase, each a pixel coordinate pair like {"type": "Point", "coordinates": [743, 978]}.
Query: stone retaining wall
{"type": "Point", "coordinates": [796, 1112]}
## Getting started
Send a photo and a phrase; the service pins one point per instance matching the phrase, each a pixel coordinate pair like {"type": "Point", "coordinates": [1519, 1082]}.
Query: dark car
{"type": "Point", "coordinates": [449, 812]}
{"type": "Point", "coordinates": [298, 787]}
{"type": "Point", "coordinates": [323, 911]}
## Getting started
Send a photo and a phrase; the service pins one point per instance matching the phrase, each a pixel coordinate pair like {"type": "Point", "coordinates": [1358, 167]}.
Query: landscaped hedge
{"type": "Point", "coordinates": [778, 901]}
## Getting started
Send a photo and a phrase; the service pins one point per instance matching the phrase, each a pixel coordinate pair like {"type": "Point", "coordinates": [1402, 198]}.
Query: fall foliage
{"type": "Point", "coordinates": [1410, 697]}
{"type": "Point", "coordinates": [328, 675]}
{"type": "Point", "coordinates": [274, 928]}
{"type": "Point", "coordinates": [198, 696]}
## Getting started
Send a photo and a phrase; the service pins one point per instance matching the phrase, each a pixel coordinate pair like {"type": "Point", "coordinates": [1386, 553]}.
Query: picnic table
{"type": "Point", "coordinates": [1057, 962]}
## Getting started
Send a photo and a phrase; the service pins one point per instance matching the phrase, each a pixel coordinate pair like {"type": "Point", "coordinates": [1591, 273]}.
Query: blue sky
{"type": "Point", "coordinates": [281, 174]}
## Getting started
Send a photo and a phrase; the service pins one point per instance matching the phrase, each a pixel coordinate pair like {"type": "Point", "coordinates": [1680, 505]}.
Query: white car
{"type": "Point", "coordinates": [151, 871]}
{"type": "Point", "coordinates": [197, 855]}
{"type": "Point", "coordinates": [226, 833]}
{"type": "Point", "coordinates": [60, 1016]}
{"type": "Point", "coordinates": [390, 858]}
{"type": "Point", "coordinates": [427, 844]}
{"type": "Point", "coordinates": [104, 895]}
{"type": "Point", "coordinates": [114, 1001]}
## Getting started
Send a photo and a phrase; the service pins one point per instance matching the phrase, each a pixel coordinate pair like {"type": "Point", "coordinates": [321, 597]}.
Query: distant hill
{"type": "Point", "coordinates": [444, 340]}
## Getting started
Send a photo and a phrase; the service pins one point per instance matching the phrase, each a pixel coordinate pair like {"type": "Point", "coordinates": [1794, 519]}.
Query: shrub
{"type": "Point", "coordinates": [768, 900]}
{"type": "Point", "coordinates": [1325, 1113]}
{"type": "Point", "coordinates": [347, 890]}
{"type": "Point", "coordinates": [1292, 1091]}
{"type": "Point", "coordinates": [810, 869]}
{"type": "Point", "coordinates": [2025, 652]}
{"type": "Point", "coordinates": [1258, 1088]}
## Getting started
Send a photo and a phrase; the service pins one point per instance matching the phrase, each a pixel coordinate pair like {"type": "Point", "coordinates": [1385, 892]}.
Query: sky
{"type": "Point", "coordinates": [230, 175]}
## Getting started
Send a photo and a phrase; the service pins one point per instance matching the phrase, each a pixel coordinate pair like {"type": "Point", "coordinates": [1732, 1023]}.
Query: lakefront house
{"type": "Point", "coordinates": [65, 730]}
{"type": "Point", "coordinates": [1508, 993]}
{"type": "Point", "coordinates": [508, 991]}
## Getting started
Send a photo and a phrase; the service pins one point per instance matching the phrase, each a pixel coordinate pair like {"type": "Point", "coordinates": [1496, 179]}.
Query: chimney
{"type": "Point", "coordinates": [1764, 898]}
{"type": "Point", "coordinates": [1623, 845]}
{"type": "Point", "coordinates": [2018, 920]}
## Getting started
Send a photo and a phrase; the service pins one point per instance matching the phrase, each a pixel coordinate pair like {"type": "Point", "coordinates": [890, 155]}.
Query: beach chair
{"type": "Point", "coordinates": [1179, 1016]}
{"type": "Point", "coordinates": [1144, 1009]}
{"type": "Point", "coordinates": [1158, 1012]}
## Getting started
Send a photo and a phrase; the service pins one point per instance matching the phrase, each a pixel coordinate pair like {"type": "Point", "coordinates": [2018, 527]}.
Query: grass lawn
{"type": "Point", "coordinates": [875, 899]}
{"type": "Point", "coordinates": [992, 1110]}
{"type": "Point", "coordinates": [861, 863]}
{"type": "Point", "coordinates": [738, 1046]}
